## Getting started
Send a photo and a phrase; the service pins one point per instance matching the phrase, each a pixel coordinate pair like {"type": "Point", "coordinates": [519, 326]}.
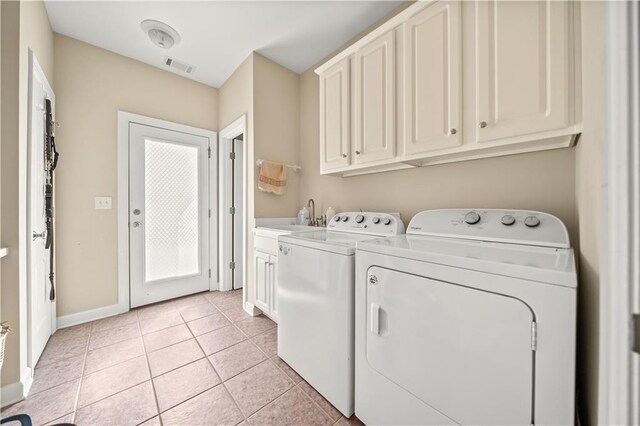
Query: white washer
{"type": "Point", "coordinates": [468, 319]}
{"type": "Point", "coordinates": [316, 301]}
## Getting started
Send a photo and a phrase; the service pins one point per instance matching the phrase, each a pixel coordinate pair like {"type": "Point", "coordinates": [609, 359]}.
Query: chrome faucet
{"type": "Point", "coordinates": [312, 205]}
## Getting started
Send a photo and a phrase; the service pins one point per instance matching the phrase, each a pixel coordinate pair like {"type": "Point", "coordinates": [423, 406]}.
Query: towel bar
{"type": "Point", "coordinates": [293, 167]}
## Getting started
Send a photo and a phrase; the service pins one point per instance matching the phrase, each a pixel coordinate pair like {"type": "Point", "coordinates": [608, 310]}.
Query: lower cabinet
{"type": "Point", "coordinates": [265, 288]}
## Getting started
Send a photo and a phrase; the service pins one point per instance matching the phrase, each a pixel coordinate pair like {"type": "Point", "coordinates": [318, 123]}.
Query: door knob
{"type": "Point", "coordinates": [344, 155]}
{"type": "Point", "coordinates": [483, 124]}
{"type": "Point", "coordinates": [42, 235]}
{"type": "Point", "coordinates": [454, 131]}
{"type": "Point", "coordinates": [136, 212]}
{"type": "Point", "coordinates": [357, 152]}
{"type": "Point", "coordinates": [137, 224]}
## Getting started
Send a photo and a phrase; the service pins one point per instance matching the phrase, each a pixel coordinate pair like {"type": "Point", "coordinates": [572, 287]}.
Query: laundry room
{"type": "Point", "coordinates": [319, 212]}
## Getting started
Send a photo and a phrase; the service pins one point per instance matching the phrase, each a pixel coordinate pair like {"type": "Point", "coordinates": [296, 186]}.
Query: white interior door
{"type": "Point", "coordinates": [41, 310]}
{"type": "Point", "coordinates": [168, 214]}
{"type": "Point", "coordinates": [237, 214]}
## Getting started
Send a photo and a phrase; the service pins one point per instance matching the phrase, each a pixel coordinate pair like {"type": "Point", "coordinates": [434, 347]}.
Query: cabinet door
{"type": "Point", "coordinates": [274, 288]}
{"type": "Point", "coordinates": [335, 122]}
{"type": "Point", "coordinates": [522, 69]}
{"type": "Point", "coordinates": [263, 278]}
{"type": "Point", "coordinates": [433, 78]}
{"type": "Point", "coordinates": [375, 100]}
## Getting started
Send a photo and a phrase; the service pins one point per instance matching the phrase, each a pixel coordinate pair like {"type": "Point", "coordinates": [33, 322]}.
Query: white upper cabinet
{"type": "Point", "coordinates": [375, 100]}
{"type": "Point", "coordinates": [522, 69]}
{"type": "Point", "coordinates": [432, 79]}
{"type": "Point", "coordinates": [335, 122]}
{"type": "Point", "coordinates": [450, 80]}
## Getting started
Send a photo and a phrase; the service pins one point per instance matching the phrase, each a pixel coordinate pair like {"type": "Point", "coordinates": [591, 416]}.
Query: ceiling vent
{"type": "Point", "coordinates": [178, 65]}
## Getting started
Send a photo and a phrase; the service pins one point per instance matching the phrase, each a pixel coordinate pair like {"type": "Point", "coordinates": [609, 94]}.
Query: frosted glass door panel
{"type": "Point", "coordinates": [168, 214]}
{"type": "Point", "coordinates": [172, 244]}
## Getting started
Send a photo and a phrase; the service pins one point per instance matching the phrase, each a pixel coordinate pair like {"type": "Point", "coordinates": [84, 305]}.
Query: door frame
{"type": "Point", "coordinates": [619, 367]}
{"type": "Point", "coordinates": [124, 119]}
{"type": "Point", "coordinates": [34, 70]}
{"type": "Point", "coordinates": [227, 135]}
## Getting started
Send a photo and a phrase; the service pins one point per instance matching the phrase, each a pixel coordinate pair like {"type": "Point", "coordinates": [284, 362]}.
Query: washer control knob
{"type": "Point", "coordinates": [472, 218]}
{"type": "Point", "coordinates": [387, 221]}
{"type": "Point", "coordinates": [336, 218]}
{"type": "Point", "coordinates": [345, 218]}
{"type": "Point", "coordinates": [359, 218]}
{"type": "Point", "coordinates": [531, 221]}
{"type": "Point", "coordinates": [508, 220]}
{"type": "Point", "coordinates": [376, 220]}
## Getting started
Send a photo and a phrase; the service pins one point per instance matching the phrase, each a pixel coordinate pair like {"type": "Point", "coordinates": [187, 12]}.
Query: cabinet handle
{"type": "Point", "coordinates": [483, 124]}
{"type": "Point", "coordinates": [357, 152]}
{"type": "Point", "coordinates": [454, 131]}
{"type": "Point", "coordinates": [344, 155]}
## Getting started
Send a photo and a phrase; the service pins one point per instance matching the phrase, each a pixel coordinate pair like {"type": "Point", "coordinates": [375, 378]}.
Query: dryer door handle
{"type": "Point", "coordinates": [375, 318]}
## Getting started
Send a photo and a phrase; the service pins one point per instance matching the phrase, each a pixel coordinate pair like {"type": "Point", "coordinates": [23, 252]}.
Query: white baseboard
{"type": "Point", "coordinates": [250, 309]}
{"type": "Point", "coordinates": [17, 391]}
{"type": "Point", "coordinates": [90, 315]}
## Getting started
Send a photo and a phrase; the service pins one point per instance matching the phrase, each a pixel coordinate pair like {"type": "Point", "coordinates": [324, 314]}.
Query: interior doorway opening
{"type": "Point", "coordinates": [233, 206]}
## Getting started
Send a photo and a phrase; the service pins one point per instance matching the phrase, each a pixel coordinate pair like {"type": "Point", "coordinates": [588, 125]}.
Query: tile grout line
{"type": "Point", "coordinates": [153, 386]}
{"type": "Point", "coordinates": [84, 363]}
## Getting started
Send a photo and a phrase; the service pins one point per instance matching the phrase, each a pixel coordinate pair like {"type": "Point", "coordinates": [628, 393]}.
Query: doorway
{"type": "Point", "coordinates": [166, 201]}
{"type": "Point", "coordinates": [41, 309]}
{"type": "Point", "coordinates": [233, 221]}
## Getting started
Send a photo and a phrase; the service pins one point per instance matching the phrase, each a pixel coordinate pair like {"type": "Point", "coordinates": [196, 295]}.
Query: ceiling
{"type": "Point", "coordinates": [218, 35]}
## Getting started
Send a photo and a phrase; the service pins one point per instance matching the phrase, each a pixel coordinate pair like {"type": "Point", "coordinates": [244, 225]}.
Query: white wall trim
{"type": "Point", "coordinates": [14, 392]}
{"type": "Point", "coordinates": [124, 119]}
{"type": "Point", "coordinates": [619, 369]}
{"type": "Point", "coordinates": [90, 315]}
{"type": "Point", "coordinates": [233, 130]}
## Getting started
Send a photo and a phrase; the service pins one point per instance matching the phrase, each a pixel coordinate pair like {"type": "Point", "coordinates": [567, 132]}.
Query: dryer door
{"type": "Point", "coordinates": [465, 352]}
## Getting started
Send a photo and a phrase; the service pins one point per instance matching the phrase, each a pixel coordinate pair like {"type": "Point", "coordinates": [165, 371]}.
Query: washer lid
{"type": "Point", "coordinates": [543, 264]}
{"type": "Point", "coordinates": [336, 242]}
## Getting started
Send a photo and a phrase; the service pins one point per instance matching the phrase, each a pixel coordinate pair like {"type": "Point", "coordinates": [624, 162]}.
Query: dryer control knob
{"type": "Point", "coordinates": [387, 221]}
{"type": "Point", "coordinates": [336, 218]}
{"type": "Point", "coordinates": [345, 218]}
{"type": "Point", "coordinates": [472, 218]}
{"type": "Point", "coordinates": [376, 220]}
{"type": "Point", "coordinates": [508, 220]}
{"type": "Point", "coordinates": [531, 221]}
{"type": "Point", "coordinates": [359, 218]}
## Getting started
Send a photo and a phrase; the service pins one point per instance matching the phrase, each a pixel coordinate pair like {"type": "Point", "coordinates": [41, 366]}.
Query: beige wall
{"type": "Point", "coordinates": [269, 95]}
{"type": "Point", "coordinates": [92, 84]}
{"type": "Point", "coordinates": [589, 163]}
{"type": "Point", "coordinates": [25, 27]}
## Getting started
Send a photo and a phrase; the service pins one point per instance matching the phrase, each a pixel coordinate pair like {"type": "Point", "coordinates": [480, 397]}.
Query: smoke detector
{"type": "Point", "coordinates": [161, 34]}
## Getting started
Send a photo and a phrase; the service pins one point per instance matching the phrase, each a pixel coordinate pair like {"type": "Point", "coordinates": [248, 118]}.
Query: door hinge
{"type": "Point", "coordinates": [209, 152]}
{"type": "Point", "coordinates": [534, 336]}
{"type": "Point", "coordinates": [232, 265]}
{"type": "Point", "coordinates": [232, 210]}
{"type": "Point", "coordinates": [209, 213]}
{"type": "Point", "coordinates": [232, 155]}
{"type": "Point", "coordinates": [635, 324]}
{"type": "Point", "coordinates": [209, 273]}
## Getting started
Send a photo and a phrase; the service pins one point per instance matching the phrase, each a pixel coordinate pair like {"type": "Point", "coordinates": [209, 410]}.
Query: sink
{"type": "Point", "coordinates": [274, 230]}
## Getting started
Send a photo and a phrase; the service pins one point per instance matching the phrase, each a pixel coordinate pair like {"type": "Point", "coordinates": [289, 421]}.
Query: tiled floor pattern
{"type": "Point", "coordinates": [198, 360]}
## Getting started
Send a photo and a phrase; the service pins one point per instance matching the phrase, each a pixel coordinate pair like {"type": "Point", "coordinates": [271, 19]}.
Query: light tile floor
{"type": "Point", "coordinates": [197, 360]}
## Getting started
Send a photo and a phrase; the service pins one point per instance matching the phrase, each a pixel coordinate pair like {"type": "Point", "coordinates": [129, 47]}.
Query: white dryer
{"type": "Point", "coordinates": [316, 301]}
{"type": "Point", "coordinates": [467, 319]}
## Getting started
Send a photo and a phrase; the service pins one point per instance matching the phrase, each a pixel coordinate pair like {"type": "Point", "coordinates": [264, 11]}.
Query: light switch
{"type": "Point", "coordinates": [103, 203]}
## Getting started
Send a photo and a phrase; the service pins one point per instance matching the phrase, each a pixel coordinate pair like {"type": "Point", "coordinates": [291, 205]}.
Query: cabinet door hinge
{"type": "Point", "coordinates": [534, 336]}
{"type": "Point", "coordinates": [232, 265]}
{"type": "Point", "coordinates": [209, 273]}
{"type": "Point", "coordinates": [209, 213]}
{"type": "Point", "coordinates": [635, 324]}
{"type": "Point", "coordinates": [232, 155]}
{"type": "Point", "coordinates": [232, 210]}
